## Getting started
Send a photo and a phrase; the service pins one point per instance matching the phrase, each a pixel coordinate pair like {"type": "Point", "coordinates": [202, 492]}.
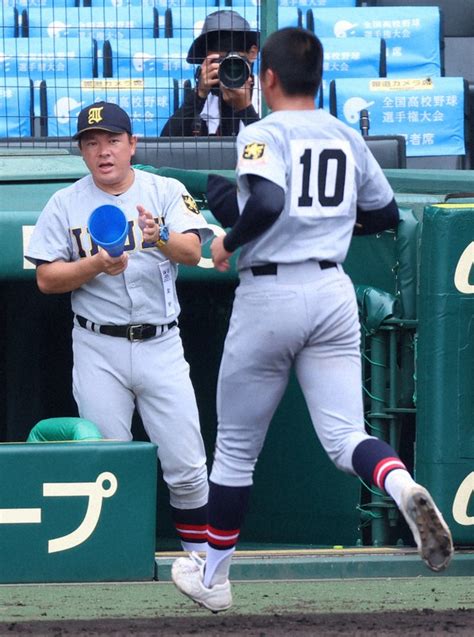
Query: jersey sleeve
{"type": "Point", "coordinates": [181, 212]}
{"type": "Point", "coordinates": [374, 191]}
{"type": "Point", "coordinates": [259, 153]}
{"type": "Point", "coordinates": [51, 240]}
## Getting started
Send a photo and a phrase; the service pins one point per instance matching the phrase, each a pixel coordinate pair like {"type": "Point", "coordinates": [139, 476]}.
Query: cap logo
{"type": "Point", "coordinates": [94, 115]}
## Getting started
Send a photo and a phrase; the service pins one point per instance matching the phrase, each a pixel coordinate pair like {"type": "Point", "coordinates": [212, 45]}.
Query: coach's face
{"type": "Point", "coordinates": [108, 157]}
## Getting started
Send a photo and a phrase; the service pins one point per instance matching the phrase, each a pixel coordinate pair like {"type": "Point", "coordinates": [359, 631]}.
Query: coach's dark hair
{"type": "Point", "coordinates": [296, 56]}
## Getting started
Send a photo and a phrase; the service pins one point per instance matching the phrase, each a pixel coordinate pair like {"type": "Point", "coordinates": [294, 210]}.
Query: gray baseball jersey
{"type": "Point", "coordinates": [142, 294]}
{"type": "Point", "coordinates": [325, 169]}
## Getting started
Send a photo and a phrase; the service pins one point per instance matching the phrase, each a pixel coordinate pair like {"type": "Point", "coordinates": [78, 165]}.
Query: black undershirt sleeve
{"type": "Point", "coordinates": [192, 231]}
{"type": "Point", "coordinates": [263, 207]}
{"type": "Point", "coordinates": [221, 194]}
{"type": "Point", "coordinates": [373, 221]}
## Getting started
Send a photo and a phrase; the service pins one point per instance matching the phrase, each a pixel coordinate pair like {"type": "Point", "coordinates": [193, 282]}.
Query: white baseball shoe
{"type": "Point", "coordinates": [188, 573]}
{"type": "Point", "coordinates": [431, 533]}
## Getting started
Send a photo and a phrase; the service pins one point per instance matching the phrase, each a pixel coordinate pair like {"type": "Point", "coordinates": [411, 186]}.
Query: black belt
{"type": "Point", "coordinates": [132, 332]}
{"type": "Point", "coordinates": [272, 268]}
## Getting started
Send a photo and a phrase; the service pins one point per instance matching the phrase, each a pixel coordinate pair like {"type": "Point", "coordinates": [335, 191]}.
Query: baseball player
{"type": "Point", "coordinates": [126, 342]}
{"type": "Point", "coordinates": [304, 180]}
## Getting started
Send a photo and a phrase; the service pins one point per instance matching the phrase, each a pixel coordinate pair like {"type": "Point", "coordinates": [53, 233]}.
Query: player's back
{"type": "Point", "coordinates": [321, 164]}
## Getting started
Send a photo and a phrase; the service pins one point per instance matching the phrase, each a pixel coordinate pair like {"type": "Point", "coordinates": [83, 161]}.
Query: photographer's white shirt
{"type": "Point", "coordinates": [211, 115]}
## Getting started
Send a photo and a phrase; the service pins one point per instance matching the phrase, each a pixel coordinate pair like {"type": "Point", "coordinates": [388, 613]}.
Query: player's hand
{"type": "Point", "coordinates": [238, 98]}
{"type": "Point", "coordinates": [220, 256]}
{"type": "Point", "coordinates": [147, 224]}
{"type": "Point", "coordinates": [209, 77]}
{"type": "Point", "coordinates": [111, 265]}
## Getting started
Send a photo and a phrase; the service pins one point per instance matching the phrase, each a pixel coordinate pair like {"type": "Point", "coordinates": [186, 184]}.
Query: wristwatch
{"type": "Point", "coordinates": [164, 236]}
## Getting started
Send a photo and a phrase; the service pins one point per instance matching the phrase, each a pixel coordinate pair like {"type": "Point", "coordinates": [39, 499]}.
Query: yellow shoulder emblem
{"type": "Point", "coordinates": [253, 151]}
{"type": "Point", "coordinates": [190, 204]}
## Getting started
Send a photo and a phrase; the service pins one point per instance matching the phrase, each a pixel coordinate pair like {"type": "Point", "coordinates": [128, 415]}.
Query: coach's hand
{"type": "Point", "coordinates": [111, 265]}
{"type": "Point", "coordinates": [220, 256]}
{"type": "Point", "coordinates": [147, 224]}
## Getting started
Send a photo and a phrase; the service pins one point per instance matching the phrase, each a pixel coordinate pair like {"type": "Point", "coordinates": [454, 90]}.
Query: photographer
{"type": "Point", "coordinates": [222, 102]}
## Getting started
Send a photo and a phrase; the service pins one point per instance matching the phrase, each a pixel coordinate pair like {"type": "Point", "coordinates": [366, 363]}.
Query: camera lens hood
{"type": "Point", "coordinates": [234, 70]}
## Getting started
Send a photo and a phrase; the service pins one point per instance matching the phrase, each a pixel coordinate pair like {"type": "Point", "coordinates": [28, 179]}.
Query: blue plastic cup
{"type": "Point", "coordinates": [108, 228]}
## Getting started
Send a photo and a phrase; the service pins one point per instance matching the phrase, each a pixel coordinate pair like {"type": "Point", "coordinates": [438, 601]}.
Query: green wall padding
{"type": "Point", "coordinates": [445, 361]}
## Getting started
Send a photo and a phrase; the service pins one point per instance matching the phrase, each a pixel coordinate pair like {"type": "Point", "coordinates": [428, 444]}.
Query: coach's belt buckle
{"type": "Point", "coordinates": [135, 332]}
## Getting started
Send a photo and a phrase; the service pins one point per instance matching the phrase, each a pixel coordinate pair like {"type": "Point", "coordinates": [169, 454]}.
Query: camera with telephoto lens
{"type": "Point", "coordinates": [234, 70]}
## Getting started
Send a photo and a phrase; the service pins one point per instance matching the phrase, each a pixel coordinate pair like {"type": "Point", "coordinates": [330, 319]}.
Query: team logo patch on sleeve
{"type": "Point", "coordinates": [190, 204]}
{"type": "Point", "coordinates": [253, 151]}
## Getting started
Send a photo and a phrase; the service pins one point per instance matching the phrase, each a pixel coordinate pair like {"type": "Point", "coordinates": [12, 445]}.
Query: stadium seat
{"type": "Point", "coordinates": [430, 113]}
{"type": "Point", "coordinates": [316, 3]}
{"type": "Point", "coordinates": [187, 22]}
{"type": "Point", "coordinates": [158, 57]}
{"type": "Point", "coordinates": [197, 153]}
{"type": "Point", "coordinates": [10, 22]}
{"type": "Point", "coordinates": [163, 4]}
{"type": "Point", "coordinates": [16, 107]}
{"type": "Point", "coordinates": [458, 41]}
{"type": "Point", "coordinates": [107, 23]}
{"type": "Point", "coordinates": [389, 150]}
{"type": "Point", "coordinates": [290, 16]}
{"type": "Point", "coordinates": [189, 153]}
{"type": "Point", "coordinates": [149, 103]}
{"type": "Point", "coordinates": [351, 57]}
{"type": "Point", "coordinates": [458, 15]}
{"type": "Point", "coordinates": [24, 4]}
{"type": "Point", "coordinates": [413, 35]}
{"type": "Point", "coordinates": [40, 59]}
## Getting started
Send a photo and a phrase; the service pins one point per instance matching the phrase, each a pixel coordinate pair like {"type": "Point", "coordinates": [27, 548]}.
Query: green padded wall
{"type": "Point", "coordinates": [445, 417]}
{"type": "Point", "coordinates": [82, 511]}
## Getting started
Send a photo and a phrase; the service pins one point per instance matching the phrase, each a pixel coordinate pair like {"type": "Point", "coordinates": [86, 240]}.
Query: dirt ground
{"type": "Point", "coordinates": [376, 607]}
{"type": "Point", "coordinates": [380, 624]}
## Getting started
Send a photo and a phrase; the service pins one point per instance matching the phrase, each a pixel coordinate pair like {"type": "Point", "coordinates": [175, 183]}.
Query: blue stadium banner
{"type": "Point", "coordinates": [159, 57]}
{"type": "Point", "coordinates": [428, 112]}
{"type": "Point", "coordinates": [149, 103]}
{"type": "Point", "coordinates": [172, 4]}
{"type": "Point", "coordinates": [290, 16]}
{"type": "Point", "coordinates": [16, 107]}
{"type": "Point", "coordinates": [135, 3]}
{"type": "Point", "coordinates": [106, 23]}
{"type": "Point", "coordinates": [29, 4]}
{"type": "Point", "coordinates": [311, 4]}
{"type": "Point", "coordinates": [236, 4]}
{"type": "Point", "coordinates": [412, 34]}
{"type": "Point", "coordinates": [351, 57]}
{"type": "Point", "coordinates": [51, 58]}
{"type": "Point", "coordinates": [9, 20]}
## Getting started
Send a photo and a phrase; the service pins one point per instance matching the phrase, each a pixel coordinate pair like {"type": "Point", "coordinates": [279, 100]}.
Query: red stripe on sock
{"type": "Point", "coordinates": [191, 527]}
{"type": "Point", "coordinates": [192, 532]}
{"type": "Point", "coordinates": [222, 538]}
{"type": "Point", "coordinates": [223, 533]}
{"type": "Point", "coordinates": [383, 468]}
{"type": "Point", "coordinates": [223, 544]}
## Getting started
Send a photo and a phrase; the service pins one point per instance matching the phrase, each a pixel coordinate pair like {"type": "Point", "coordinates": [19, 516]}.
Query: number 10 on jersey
{"type": "Point", "coordinates": [322, 182]}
